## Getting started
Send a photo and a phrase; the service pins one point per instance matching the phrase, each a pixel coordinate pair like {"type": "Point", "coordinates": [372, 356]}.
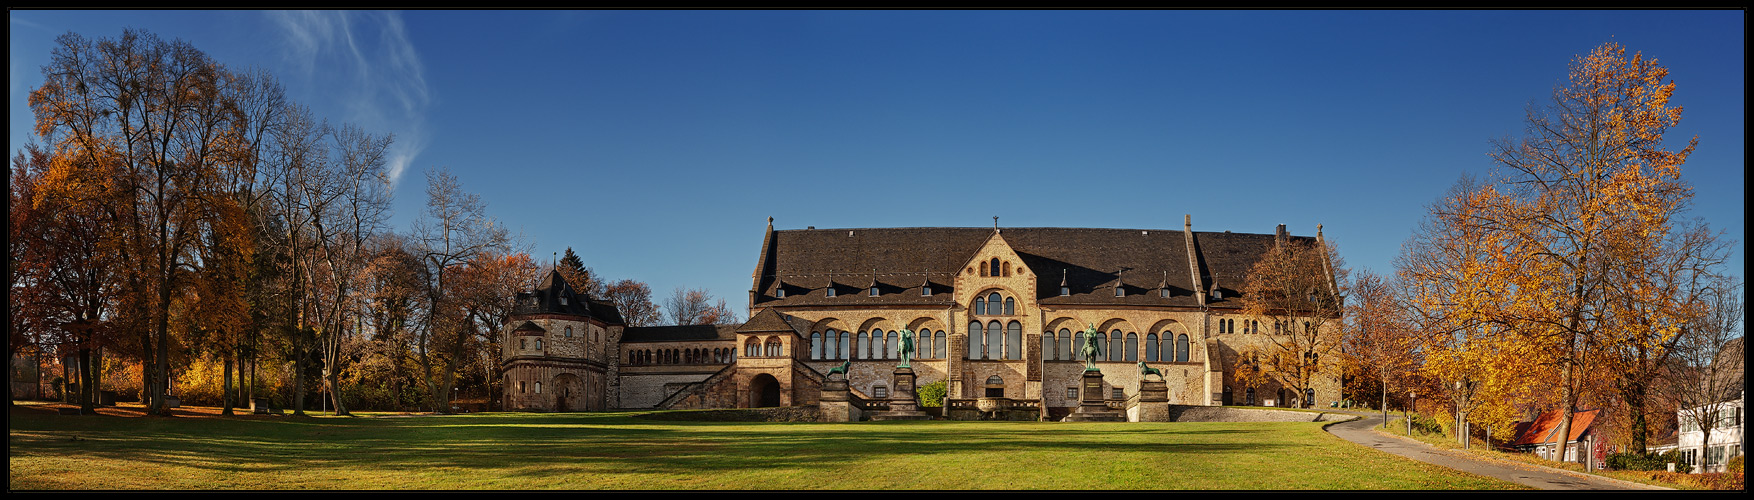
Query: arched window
{"type": "Point", "coordinates": [1047, 346]}
{"type": "Point", "coordinates": [538, 387]}
{"type": "Point", "coordinates": [842, 344]}
{"type": "Point", "coordinates": [521, 388]}
{"type": "Point", "coordinates": [994, 304]}
{"type": "Point", "coordinates": [975, 336]}
{"type": "Point", "coordinates": [1132, 348]}
{"type": "Point", "coordinates": [1168, 345]}
{"type": "Point", "coordinates": [1181, 348]}
{"type": "Point", "coordinates": [752, 348]}
{"type": "Point", "coordinates": [1007, 269]}
{"type": "Point", "coordinates": [938, 345]}
{"type": "Point", "coordinates": [878, 350]}
{"type": "Point", "coordinates": [922, 344]}
{"type": "Point", "coordinates": [995, 267]}
{"type": "Point", "coordinates": [538, 344]}
{"type": "Point", "coordinates": [1078, 341]}
{"type": "Point", "coordinates": [864, 347]}
{"type": "Point", "coordinates": [523, 344]}
{"type": "Point", "coordinates": [1309, 399]}
{"type": "Point", "coordinates": [995, 343]}
{"type": "Point", "coordinates": [1010, 306]}
{"type": "Point", "coordinates": [1150, 347]}
{"type": "Point", "coordinates": [1115, 345]}
{"type": "Point", "coordinates": [1065, 339]}
{"type": "Point", "coordinates": [892, 344]}
{"type": "Point", "coordinates": [980, 306]}
{"type": "Point", "coordinates": [1014, 340]}
{"type": "Point", "coordinates": [815, 345]}
{"type": "Point", "coordinates": [775, 348]}
{"type": "Point", "coordinates": [837, 342]}
{"type": "Point", "coordinates": [569, 332]}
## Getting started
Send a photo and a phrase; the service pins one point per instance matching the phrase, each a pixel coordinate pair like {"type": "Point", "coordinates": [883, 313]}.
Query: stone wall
{"type": "Point", "coordinates": [863, 376]}
{"type": "Point", "coordinates": [646, 390]}
{"type": "Point", "coordinates": [1182, 413]}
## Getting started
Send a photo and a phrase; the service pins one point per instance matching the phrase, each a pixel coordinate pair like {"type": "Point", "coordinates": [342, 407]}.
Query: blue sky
{"type": "Point", "coordinates": [657, 143]}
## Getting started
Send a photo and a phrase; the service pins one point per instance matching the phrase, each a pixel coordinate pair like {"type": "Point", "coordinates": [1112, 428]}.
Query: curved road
{"type": "Point", "coordinates": [1360, 431]}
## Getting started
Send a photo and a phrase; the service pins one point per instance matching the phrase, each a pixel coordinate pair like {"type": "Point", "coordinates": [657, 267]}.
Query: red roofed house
{"type": "Point", "coordinates": [1540, 436]}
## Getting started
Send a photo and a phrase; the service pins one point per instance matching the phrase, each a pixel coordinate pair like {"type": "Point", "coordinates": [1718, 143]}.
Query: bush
{"type": "Point", "coordinates": [1734, 465]}
{"type": "Point", "coordinates": [932, 394]}
{"type": "Point", "coordinates": [1637, 461]}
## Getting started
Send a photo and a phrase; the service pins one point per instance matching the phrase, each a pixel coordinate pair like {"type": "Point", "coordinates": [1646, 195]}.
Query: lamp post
{"type": "Point", "coordinates": [1405, 417]}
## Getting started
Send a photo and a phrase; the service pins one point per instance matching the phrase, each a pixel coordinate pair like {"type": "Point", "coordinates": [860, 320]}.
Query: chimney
{"type": "Point", "coordinates": [1279, 236]}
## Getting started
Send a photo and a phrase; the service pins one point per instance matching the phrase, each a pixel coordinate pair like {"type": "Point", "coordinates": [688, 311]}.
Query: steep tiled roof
{"type": "Point", "coordinates": [1543, 429]}
{"type": "Point", "coordinates": [546, 299]}
{"type": "Point", "coordinates": [1092, 261]}
{"type": "Point", "coordinates": [678, 333]}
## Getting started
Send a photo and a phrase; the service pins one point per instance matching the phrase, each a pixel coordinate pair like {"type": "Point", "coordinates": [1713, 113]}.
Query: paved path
{"type": "Point", "coordinates": [1547, 478]}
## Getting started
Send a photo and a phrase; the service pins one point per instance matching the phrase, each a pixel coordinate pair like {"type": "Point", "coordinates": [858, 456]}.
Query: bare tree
{"type": "Point", "coordinates": [697, 307]}
{"type": "Point", "coordinates": [1709, 377]}
{"type": "Point", "coordinates": [454, 229]}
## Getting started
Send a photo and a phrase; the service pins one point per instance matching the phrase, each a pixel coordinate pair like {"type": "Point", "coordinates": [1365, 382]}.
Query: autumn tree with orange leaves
{"type": "Point", "coordinates": [1572, 261]}
{"type": "Point", "coordinates": [1379, 342]}
{"type": "Point", "coordinates": [1294, 288]}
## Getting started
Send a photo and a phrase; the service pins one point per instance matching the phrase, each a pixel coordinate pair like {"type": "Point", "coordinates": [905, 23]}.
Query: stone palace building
{"type": "Point", "coordinates": [998, 313]}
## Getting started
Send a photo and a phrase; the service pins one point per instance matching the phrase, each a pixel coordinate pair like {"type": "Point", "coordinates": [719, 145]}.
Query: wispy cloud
{"type": "Point", "coordinates": [362, 66]}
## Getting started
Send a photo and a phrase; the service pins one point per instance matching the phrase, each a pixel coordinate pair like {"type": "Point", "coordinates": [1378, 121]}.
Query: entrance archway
{"type": "Point", "coordinates": [764, 391]}
{"type": "Point", "coordinates": [567, 392]}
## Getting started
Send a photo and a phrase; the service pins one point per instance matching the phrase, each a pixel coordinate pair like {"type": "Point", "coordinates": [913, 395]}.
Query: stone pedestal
{"type": "Point", "coordinates": [1152, 404]}
{"type": "Point", "coordinates": [1091, 405]}
{"type": "Point", "coordinates": [835, 403]}
{"type": "Point", "coordinates": [903, 403]}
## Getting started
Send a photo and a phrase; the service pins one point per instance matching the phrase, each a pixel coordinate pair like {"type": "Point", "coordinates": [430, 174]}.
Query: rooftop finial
{"type": "Point", "coordinates": [995, 223]}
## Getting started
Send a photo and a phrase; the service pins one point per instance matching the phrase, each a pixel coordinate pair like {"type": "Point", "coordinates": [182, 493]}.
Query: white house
{"type": "Point", "coordinates": [1726, 436]}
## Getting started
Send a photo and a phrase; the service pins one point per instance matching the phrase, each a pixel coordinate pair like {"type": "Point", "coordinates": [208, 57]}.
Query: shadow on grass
{"type": "Point", "coordinates": [528, 445]}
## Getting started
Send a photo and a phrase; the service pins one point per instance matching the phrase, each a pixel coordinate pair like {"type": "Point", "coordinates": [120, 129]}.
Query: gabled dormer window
{"type": "Point", "coordinates": [1065, 290]}
{"type": "Point", "coordinates": [873, 291]}
{"type": "Point", "coordinates": [1163, 292]}
{"type": "Point", "coordinates": [1217, 294]}
{"type": "Point", "coordinates": [926, 291]}
{"type": "Point", "coordinates": [1120, 292]}
{"type": "Point", "coordinates": [563, 300]}
{"type": "Point", "coordinates": [779, 293]}
{"type": "Point", "coordinates": [830, 291]}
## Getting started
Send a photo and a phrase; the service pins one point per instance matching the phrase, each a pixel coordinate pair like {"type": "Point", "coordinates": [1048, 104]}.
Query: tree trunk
{"type": "Point", "coordinates": [86, 395]}
{"type": "Point", "coordinates": [298, 376]}
{"type": "Point", "coordinates": [225, 389]}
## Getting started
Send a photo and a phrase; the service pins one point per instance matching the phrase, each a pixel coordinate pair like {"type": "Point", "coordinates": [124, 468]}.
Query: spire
{"type": "Point", "coordinates": [995, 223]}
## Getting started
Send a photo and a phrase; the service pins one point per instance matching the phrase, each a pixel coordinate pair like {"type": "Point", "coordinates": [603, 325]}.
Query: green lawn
{"type": "Point", "coordinates": [616, 451]}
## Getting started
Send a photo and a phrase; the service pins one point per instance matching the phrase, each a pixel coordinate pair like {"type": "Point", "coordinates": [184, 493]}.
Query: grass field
{"type": "Point", "coordinates": [616, 451]}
